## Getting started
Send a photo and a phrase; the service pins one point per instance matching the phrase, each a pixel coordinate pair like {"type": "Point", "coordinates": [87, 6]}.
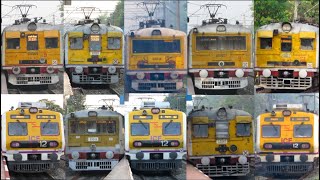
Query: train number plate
{"type": "Point", "coordinates": [95, 53]}
{"type": "Point", "coordinates": [286, 55]}
{"type": "Point", "coordinates": [93, 139]}
{"type": "Point", "coordinates": [222, 141]}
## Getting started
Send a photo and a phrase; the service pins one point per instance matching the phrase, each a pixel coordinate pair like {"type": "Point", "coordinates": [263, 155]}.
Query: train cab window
{"type": "Point", "coordinates": [13, 43]}
{"type": "Point", "coordinates": [140, 129]}
{"type": "Point", "coordinates": [156, 46]}
{"type": "Point", "coordinates": [108, 127]}
{"type": "Point", "coordinates": [49, 128]}
{"type": "Point", "coordinates": [234, 43]}
{"type": "Point", "coordinates": [171, 128]}
{"type": "Point", "coordinates": [306, 44]}
{"type": "Point", "coordinates": [302, 130]}
{"type": "Point", "coordinates": [243, 129]}
{"type": "Point", "coordinates": [200, 130]}
{"type": "Point", "coordinates": [32, 42]}
{"type": "Point", "coordinates": [51, 43]}
{"type": "Point", "coordinates": [17, 129]}
{"type": "Point", "coordinates": [76, 43]}
{"type": "Point", "coordinates": [207, 43]}
{"type": "Point", "coordinates": [270, 131]}
{"type": "Point", "coordinates": [286, 44]}
{"type": "Point", "coordinates": [77, 128]}
{"type": "Point", "coordinates": [91, 127]}
{"type": "Point", "coordinates": [265, 43]}
{"type": "Point", "coordinates": [114, 43]}
{"type": "Point", "coordinates": [95, 43]}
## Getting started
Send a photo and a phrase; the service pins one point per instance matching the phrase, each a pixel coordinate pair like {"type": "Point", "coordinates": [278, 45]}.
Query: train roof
{"type": "Point", "coordinates": [212, 113]}
{"type": "Point", "coordinates": [296, 27]}
{"type": "Point", "coordinates": [100, 113]}
{"type": "Point", "coordinates": [230, 28]}
{"type": "Point", "coordinates": [85, 28]}
{"type": "Point", "coordinates": [147, 32]}
{"type": "Point", "coordinates": [40, 27]}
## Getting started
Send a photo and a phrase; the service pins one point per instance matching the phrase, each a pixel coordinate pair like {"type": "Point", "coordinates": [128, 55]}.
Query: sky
{"type": "Point", "coordinates": [9, 100]}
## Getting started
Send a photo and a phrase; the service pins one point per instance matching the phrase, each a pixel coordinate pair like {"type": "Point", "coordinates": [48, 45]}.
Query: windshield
{"type": "Point", "coordinates": [271, 131]}
{"type": "Point", "coordinates": [221, 43]}
{"type": "Point", "coordinates": [76, 43]}
{"type": "Point", "coordinates": [95, 43]}
{"type": "Point", "coordinates": [302, 130]}
{"type": "Point", "coordinates": [93, 127]}
{"type": "Point", "coordinates": [171, 128]}
{"type": "Point", "coordinates": [243, 129]}
{"type": "Point", "coordinates": [51, 43]}
{"type": "Point", "coordinates": [140, 129]}
{"type": "Point", "coordinates": [32, 42]}
{"type": "Point", "coordinates": [13, 43]}
{"type": "Point", "coordinates": [114, 43]}
{"type": "Point", "coordinates": [200, 130]}
{"type": "Point", "coordinates": [48, 128]}
{"type": "Point", "coordinates": [156, 46]}
{"type": "Point", "coordinates": [18, 129]}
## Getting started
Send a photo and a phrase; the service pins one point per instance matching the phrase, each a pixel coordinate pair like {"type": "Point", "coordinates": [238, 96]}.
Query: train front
{"type": "Point", "coordinates": [156, 59]}
{"type": "Point", "coordinates": [288, 140]}
{"type": "Point", "coordinates": [32, 138]}
{"type": "Point", "coordinates": [220, 141]}
{"type": "Point", "coordinates": [32, 52]}
{"type": "Point", "coordinates": [94, 52]}
{"type": "Point", "coordinates": [95, 139]}
{"type": "Point", "coordinates": [287, 56]}
{"type": "Point", "coordinates": [155, 138]}
{"type": "Point", "coordinates": [220, 55]}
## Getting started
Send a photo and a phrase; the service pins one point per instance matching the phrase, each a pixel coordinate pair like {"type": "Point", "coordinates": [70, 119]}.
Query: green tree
{"type": "Point", "coordinates": [177, 101]}
{"type": "Point", "coordinates": [51, 105]}
{"type": "Point", "coordinates": [115, 18]}
{"type": "Point", "coordinates": [75, 103]}
{"type": "Point", "coordinates": [308, 11]}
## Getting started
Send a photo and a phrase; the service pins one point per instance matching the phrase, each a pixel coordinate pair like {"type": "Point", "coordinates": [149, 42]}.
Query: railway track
{"type": "Point", "coordinates": [30, 176]}
{"type": "Point", "coordinates": [95, 90]}
{"type": "Point", "coordinates": [86, 175]}
{"type": "Point", "coordinates": [167, 176]}
{"type": "Point", "coordinates": [28, 91]}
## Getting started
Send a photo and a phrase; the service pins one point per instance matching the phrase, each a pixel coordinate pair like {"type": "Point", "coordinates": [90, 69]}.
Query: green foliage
{"type": "Point", "coordinates": [75, 103]}
{"type": "Point", "coordinates": [177, 101]}
{"type": "Point", "coordinates": [116, 18]}
{"type": "Point", "coordinates": [308, 11]}
{"type": "Point", "coordinates": [52, 106]}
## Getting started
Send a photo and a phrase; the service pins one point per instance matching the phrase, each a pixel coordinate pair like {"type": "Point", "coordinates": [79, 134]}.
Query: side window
{"type": "Point", "coordinates": [306, 44]}
{"type": "Point", "coordinates": [265, 43]}
{"type": "Point", "coordinates": [76, 43]}
{"type": "Point", "coordinates": [13, 43]}
{"type": "Point", "coordinates": [51, 43]}
{"type": "Point", "coordinates": [32, 42]}
{"type": "Point", "coordinates": [200, 130]}
{"type": "Point", "coordinates": [114, 43]}
{"type": "Point", "coordinates": [286, 44]}
{"type": "Point", "coordinates": [243, 129]}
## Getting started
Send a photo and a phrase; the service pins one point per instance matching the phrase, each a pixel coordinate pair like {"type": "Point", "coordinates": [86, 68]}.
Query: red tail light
{"type": "Point", "coordinates": [53, 144]}
{"type": "Point", "coordinates": [305, 146]}
{"type": "Point", "coordinates": [174, 143]}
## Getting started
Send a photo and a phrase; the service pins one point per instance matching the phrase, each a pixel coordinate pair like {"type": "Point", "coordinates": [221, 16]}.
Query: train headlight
{"type": "Point", "coordinates": [33, 70]}
{"type": "Point", "coordinates": [53, 144]}
{"type": "Point", "coordinates": [33, 110]}
{"type": "Point", "coordinates": [173, 155]}
{"type": "Point", "coordinates": [266, 73]}
{"type": "Point", "coordinates": [267, 146]}
{"type": "Point", "coordinates": [286, 27]}
{"type": "Point", "coordinates": [239, 73]}
{"type": "Point", "coordinates": [93, 155]}
{"type": "Point", "coordinates": [221, 28]}
{"type": "Point", "coordinates": [303, 73]}
{"type": "Point", "coordinates": [174, 75]}
{"type": "Point", "coordinates": [222, 113]}
{"type": "Point", "coordinates": [140, 75]}
{"type": "Point", "coordinates": [303, 157]}
{"type": "Point", "coordinates": [50, 69]}
{"type": "Point", "coordinates": [205, 161]}
{"type": "Point", "coordinates": [112, 69]}
{"type": "Point", "coordinates": [17, 157]}
{"type": "Point", "coordinates": [203, 73]}
{"type": "Point", "coordinates": [233, 148]}
{"type": "Point", "coordinates": [174, 143]}
{"type": "Point", "coordinates": [139, 155]}
{"type": "Point", "coordinates": [78, 69]}
{"type": "Point", "coordinates": [53, 157]}
{"type": "Point", "coordinates": [286, 73]}
{"type": "Point", "coordinates": [155, 110]}
{"type": "Point", "coordinates": [242, 160]}
{"type": "Point", "coordinates": [222, 160]}
{"type": "Point", "coordinates": [305, 146]}
{"type": "Point", "coordinates": [75, 155]}
{"type": "Point", "coordinates": [109, 154]}
{"type": "Point", "coordinates": [195, 30]}
{"type": "Point", "coordinates": [286, 112]}
{"type": "Point", "coordinates": [95, 28]}
{"type": "Point", "coordinates": [32, 26]}
{"type": "Point", "coordinates": [270, 157]}
{"type": "Point", "coordinates": [16, 70]}
{"type": "Point", "coordinates": [137, 144]}
{"type": "Point", "coordinates": [14, 144]}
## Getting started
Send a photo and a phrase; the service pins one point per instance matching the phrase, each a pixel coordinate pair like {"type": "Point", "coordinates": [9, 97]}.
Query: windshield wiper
{"type": "Point", "coordinates": [46, 124]}
{"type": "Point", "coordinates": [274, 127]}
{"type": "Point", "coordinates": [23, 127]}
{"type": "Point", "coordinates": [299, 126]}
{"type": "Point", "coordinates": [143, 124]}
{"type": "Point", "coordinates": [168, 124]}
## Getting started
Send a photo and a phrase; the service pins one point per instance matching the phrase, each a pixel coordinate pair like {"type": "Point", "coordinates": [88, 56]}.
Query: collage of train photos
{"type": "Point", "coordinates": [160, 89]}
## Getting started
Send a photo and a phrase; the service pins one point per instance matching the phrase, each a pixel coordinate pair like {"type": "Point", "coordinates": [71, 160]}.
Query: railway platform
{"type": "Point", "coordinates": [193, 173]}
{"type": "Point", "coordinates": [121, 171]}
{"type": "Point", "coordinates": [4, 169]}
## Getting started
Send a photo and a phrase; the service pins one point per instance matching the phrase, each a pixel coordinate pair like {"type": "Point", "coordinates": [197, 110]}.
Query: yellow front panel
{"type": "Point", "coordinates": [13, 56]}
{"type": "Point", "coordinates": [286, 131]}
{"type": "Point", "coordinates": [276, 55]}
{"type": "Point", "coordinates": [265, 34]}
{"type": "Point", "coordinates": [33, 129]}
{"type": "Point", "coordinates": [108, 56]}
{"type": "Point", "coordinates": [49, 34]}
{"type": "Point", "coordinates": [201, 58]}
{"type": "Point", "coordinates": [156, 133]}
{"type": "Point", "coordinates": [307, 35]}
{"type": "Point", "coordinates": [156, 58]}
{"type": "Point", "coordinates": [206, 146]}
{"type": "Point", "coordinates": [12, 34]}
